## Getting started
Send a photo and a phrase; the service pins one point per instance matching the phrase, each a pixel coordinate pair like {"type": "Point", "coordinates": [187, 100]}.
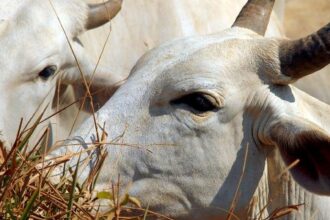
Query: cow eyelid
{"type": "Point", "coordinates": [47, 72]}
{"type": "Point", "coordinates": [197, 101]}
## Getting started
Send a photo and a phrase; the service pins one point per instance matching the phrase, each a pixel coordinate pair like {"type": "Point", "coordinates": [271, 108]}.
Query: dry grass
{"type": "Point", "coordinates": [26, 189]}
{"type": "Point", "coordinates": [27, 192]}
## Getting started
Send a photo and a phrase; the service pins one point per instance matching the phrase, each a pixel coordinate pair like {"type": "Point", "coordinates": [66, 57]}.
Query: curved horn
{"type": "Point", "coordinates": [301, 57]}
{"type": "Point", "coordinates": [255, 15]}
{"type": "Point", "coordinates": [100, 14]}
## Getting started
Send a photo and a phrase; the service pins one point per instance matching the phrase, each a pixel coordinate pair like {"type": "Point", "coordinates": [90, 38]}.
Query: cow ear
{"type": "Point", "coordinates": [99, 90]}
{"type": "Point", "coordinates": [102, 85]}
{"type": "Point", "coordinates": [305, 142]}
{"type": "Point", "coordinates": [102, 82]}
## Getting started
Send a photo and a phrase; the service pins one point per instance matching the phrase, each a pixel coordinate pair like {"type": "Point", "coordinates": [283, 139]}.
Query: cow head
{"type": "Point", "coordinates": [37, 48]}
{"type": "Point", "coordinates": [196, 112]}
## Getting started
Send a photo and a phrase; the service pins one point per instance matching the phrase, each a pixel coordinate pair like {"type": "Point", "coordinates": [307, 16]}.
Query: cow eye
{"type": "Point", "coordinates": [199, 102]}
{"type": "Point", "coordinates": [47, 72]}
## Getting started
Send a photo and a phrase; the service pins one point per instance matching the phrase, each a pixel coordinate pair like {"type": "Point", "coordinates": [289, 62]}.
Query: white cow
{"type": "Point", "coordinates": [37, 41]}
{"type": "Point", "coordinates": [144, 24]}
{"type": "Point", "coordinates": [131, 38]}
{"type": "Point", "coordinates": [36, 31]}
{"type": "Point", "coordinates": [200, 113]}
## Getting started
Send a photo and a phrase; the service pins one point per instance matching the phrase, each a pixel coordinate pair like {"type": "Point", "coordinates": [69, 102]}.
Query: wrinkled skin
{"type": "Point", "coordinates": [187, 163]}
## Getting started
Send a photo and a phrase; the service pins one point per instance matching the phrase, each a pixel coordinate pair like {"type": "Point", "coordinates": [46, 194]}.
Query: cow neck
{"type": "Point", "coordinates": [282, 189]}
{"type": "Point", "coordinates": [313, 109]}
{"type": "Point", "coordinates": [260, 198]}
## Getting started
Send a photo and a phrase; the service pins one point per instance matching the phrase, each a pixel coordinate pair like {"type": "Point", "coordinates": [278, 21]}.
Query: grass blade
{"type": "Point", "coordinates": [31, 131]}
{"type": "Point", "coordinates": [29, 205]}
{"type": "Point", "coordinates": [146, 213]}
{"type": "Point", "coordinates": [74, 182]}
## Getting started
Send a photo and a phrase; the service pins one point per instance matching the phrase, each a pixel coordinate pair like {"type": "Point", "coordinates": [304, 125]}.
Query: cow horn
{"type": "Point", "coordinates": [255, 15]}
{"type": "Point", "coordinates": [304, 56]}
{"type": "Point", "coordinates": [100, 14]}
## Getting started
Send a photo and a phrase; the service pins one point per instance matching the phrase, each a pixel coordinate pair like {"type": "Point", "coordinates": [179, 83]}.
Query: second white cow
{"type": "Point", "coordinates": [38, 41]}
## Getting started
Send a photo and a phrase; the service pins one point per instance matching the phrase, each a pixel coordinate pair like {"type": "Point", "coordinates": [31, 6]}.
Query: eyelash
{"type": "Point", "coordinates": [47, 72]}
{"type": "Point", "coordinates": [197, 101]}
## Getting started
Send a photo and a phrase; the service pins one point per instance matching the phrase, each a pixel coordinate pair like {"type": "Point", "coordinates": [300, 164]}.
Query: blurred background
{"type": "Point", "coordinates": [305, 16]}
{"type": "Point", "coordinates": [301, 18]}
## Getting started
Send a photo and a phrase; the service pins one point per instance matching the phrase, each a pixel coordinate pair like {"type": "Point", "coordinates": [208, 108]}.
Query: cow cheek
{"type": "Point", "coordinates": [22, 101]}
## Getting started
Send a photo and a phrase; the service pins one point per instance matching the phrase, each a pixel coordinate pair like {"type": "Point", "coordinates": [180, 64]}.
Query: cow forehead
{"type": "Point", "coordinates": [175, 51]}
{"type": "Point", "coordinates": [35, 28]}
{"type": "Point", "coordinates": [194, 56]}
{"type": "Point", "coordinates": [9, 7]}
{"type": "Point", "coordinates": [39, 14]}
